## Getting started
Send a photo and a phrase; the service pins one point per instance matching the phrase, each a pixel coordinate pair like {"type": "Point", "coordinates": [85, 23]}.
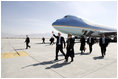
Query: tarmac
{"type": "Point", "coordinates": [38, 61]}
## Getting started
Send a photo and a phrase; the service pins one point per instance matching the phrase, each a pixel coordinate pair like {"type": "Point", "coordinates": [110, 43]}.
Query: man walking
{"type": "Point", "coordinates": [90, 42]}
{"type": "Point", "coordinates": [43, 40]}
{"type": "Point", "coordinates": [59, 44]}
{"type": "Point", "coordinates": [103, 44]}
{"type": "Point", "coordinates": [27, 41]}
{"type": "Point", "coordinates": [70, 48]}
{"type": "Point", "coordinates": [51, 41]}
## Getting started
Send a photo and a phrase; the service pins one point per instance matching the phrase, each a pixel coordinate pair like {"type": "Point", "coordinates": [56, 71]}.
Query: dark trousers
{"type": "Point", "coordinates": [51, 42]}
{"type": "Point", "coordinates": [103, 50]}
{"type": "Point", "coordinates": [27, 45]}
{"type": "Point", "coordinates": [69, 53]}
{"type": "Point", "coordinates": [67, 58]}
{"type": "Point", "coordinates": [59, 48]}
{"type": "Point", "coordinates": [43, 42]}
{"type": "Point", "coordinates": [90, 48]}
{"type": "Point", "coordinates": [82, 47]}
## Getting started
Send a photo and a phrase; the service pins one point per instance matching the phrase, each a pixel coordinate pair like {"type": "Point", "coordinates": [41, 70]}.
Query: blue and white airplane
{"type": "Point", "coordinates": [78, 26]}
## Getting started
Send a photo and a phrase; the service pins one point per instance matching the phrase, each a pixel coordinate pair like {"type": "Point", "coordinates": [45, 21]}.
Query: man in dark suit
{"type": "Point", "coordinates": [51, 40]}
{"type": "Point", "coordinates": [103, 44]}
{"type": "Point", "coordinates": [43, 40]}
{"type": "Point", "coordinates": [90, 42]}
{"type": "Point", "coordinates": [27, 41]}
{"type": "Point", "coordinates": [59, 44]}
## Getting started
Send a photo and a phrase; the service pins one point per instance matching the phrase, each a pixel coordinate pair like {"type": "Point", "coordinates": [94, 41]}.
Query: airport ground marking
{"type": "Point", "coordinates": [13, 54]}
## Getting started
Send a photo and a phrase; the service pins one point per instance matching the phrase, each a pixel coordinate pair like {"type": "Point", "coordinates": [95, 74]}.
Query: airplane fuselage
{"type": "Point", "coordinates": [78, 26]}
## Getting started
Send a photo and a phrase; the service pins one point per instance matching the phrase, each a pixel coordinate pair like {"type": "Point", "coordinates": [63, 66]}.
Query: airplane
{"type": "Point", "coordinates": [76, 26]}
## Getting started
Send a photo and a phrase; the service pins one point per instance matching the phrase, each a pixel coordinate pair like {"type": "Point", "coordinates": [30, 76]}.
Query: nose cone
{"type": "Point", "coordinates": [57, 22]}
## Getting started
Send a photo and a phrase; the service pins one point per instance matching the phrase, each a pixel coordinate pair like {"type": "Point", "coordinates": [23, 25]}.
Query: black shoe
{"type": "Point", "coordinates": [81, 52]}
{"type": "Point", "coordinates": [65, 58]}
{"type": "Point", "coordinates": [71, 60]}
{"type": "Point", "coordinates": [66, 61]}
{"type": "Point", "coordinates": [55, 59]}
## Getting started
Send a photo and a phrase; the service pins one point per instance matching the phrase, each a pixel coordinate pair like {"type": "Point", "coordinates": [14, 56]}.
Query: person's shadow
{"type": "Point", "coordinates": [98, 57]}
{"type": "Point", "coordinates": [43, 63]}
{"type": "Point", "coordinates": [77, 54]}
{"type": "Point", "coordinates": [21, 49]}
{"type": "Point", "coordinates": [82, 53]}
{"type": "Point", "coordinates": [58, 65]}
{"type": "Point", "coordinates": [43, 43]}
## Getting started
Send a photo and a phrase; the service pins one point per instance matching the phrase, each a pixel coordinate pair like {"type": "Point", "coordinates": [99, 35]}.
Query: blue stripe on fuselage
{"type": "Point", "coordinates": [92, 27]}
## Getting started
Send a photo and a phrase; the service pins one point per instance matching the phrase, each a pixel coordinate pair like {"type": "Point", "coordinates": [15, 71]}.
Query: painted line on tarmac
{"type": "Point", "coordinates": [13, 54]}
{"type": "Point", "coordinates": [13, 48]}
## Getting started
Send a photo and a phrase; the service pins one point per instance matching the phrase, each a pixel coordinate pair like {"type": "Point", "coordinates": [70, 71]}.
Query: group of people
{"type": "Point", "coordinates": [69, 45]}
{"type": "Point", "coordinates": [103, 42]}
{"type": "Point", "coordinates": [90, 42]}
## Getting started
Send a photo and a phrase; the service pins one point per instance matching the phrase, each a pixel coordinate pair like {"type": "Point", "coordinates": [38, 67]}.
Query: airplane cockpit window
{"type": "Point", "coordinates": [66, 16]}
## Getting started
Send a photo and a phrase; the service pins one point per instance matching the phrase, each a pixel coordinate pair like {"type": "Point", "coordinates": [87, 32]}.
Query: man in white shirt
{"type": "Point", "coordinates": [59, 44]}
{"type": "Point", "coordinates": [103, 44]}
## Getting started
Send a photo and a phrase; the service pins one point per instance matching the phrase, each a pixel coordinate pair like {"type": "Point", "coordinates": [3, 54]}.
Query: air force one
{"type": "Point", "coordinates": [78, 26]}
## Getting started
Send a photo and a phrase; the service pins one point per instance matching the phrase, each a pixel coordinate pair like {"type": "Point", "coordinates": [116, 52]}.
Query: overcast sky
{"type": "Point", "coordinates": [22, 17]}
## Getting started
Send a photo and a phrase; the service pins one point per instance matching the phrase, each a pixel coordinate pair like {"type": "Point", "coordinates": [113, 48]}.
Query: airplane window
{"type": "Point", "coordinates": [65, 16]}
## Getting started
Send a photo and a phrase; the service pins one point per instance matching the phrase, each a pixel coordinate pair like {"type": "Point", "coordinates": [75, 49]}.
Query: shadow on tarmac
{"type": "Point", "coordinates": [98, 57]}
{"type": "Point", "coordinates": [58, 65]}
{"type": "Point", "coordinates": [83, 53]}
{"type": "Point", "coordinates": [21, 49]}
{"type": "Point", "coordinates": [46, 44]}
{"type": "Point", "coordinates": [43, 63]}
{"type": "Point", "coordinates": [43, 43]}
{"type": "Point", "coordinates": [78, 54]}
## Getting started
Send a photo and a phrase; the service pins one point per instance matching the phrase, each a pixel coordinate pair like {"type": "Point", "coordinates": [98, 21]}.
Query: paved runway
{"type": "Point", "coordinates": [37, 62]}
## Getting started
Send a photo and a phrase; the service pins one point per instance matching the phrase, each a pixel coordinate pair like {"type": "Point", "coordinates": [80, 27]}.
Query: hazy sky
{"type": "Point", "coordinates": [22, 17]}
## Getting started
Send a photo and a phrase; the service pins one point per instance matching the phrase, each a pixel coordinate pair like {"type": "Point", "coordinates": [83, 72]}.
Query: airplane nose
{"type": "Point", "coordinates": [56, 22]}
